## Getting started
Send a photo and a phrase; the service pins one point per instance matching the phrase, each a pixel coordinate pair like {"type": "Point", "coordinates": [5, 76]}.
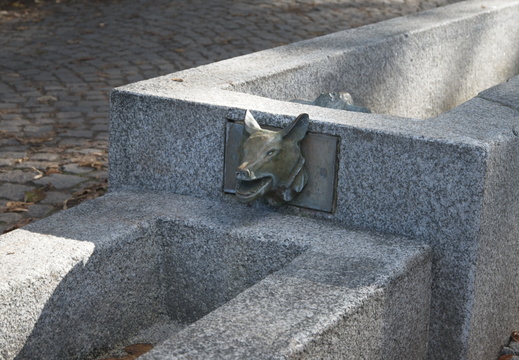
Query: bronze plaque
{"type": "Point", "coordinates": [320, 152]}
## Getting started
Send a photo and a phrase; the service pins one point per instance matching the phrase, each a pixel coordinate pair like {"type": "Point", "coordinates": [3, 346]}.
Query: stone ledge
{"type": "Point", "coordinates": [433, 161]}
{"type": "Point", "coordinates": [110, 282]}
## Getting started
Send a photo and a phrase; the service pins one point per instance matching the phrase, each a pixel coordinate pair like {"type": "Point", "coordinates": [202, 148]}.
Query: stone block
{"type": "Point", "coordinates": [431, 162]}
{"type": "Point", "coordinates": [57, 299]}
{"type": "Point", "coordinates": [80, 282]}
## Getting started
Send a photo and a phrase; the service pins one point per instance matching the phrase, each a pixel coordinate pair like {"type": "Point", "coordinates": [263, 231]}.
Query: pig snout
{"type": "Point", "coordinates": [243, 173]}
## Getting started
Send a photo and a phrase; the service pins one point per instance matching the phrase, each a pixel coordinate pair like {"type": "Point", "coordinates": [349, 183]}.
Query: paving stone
{"type": "Point", "coordinates": [14, 192]}
{"type": "Point", "coordinates": [39, 210]}
{"type": "Point", "coordinates": [12, 117]}
{"type": "Point", "coordinates": [76, 169]}
{"type": "Point", "coordinates": [42, 119]}
{"type": "Point", "coordinates": [9, 217]}
{"type": "Point", "coordinates": [87, 151]}
{"type": "Point", "coordinates": [18, 176]}
{"type": "Point", "coordinates": [77, 133]}
{"type": "Point", "coordinates": [103, 136]}
{"type": "Point", "coordinates": [38, 128]}
{"type": "Point", "coordinates": [514, 346]}
{"type": "Point", "coordinates": [40, 165]}
{"type": "Point", "coordinates": [44, 157]}
{"type": "Point", "coordinates": [18, 147]}
{"type": "Point", "coordinates": [69, 115]}
{"type": "Point", "coordinates": [55, 198]}
{"type": "Point", "coordinates": [79, 122]}
{"type": "Point", "coordinates": [11, 128]}
{"type": "Point", "coordinates": [99, 175]}
{"type": "Point", "coordinates": [100, 127]}
{"type": "Point", "coordinates": [60, 181]}
{"type": "Point", "coordinates": [73, 142]}
{"type": "Point", "coordinates": [12, 155]}
{"type": "Point", "coordinates": [7, 142]}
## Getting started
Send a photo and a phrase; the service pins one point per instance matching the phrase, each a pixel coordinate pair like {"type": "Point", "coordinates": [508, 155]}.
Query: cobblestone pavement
{"type": "Point", "coordinates": [59, 59]}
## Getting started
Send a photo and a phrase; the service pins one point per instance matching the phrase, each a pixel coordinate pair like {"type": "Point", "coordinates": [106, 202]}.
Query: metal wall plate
{"type": "Point", "coordinates": [320, 152]}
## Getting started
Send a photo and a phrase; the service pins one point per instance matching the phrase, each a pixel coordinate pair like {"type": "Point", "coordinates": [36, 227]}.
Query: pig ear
{"type": "Point", "coordinates": [296, 130]}
{"type": "Point", "coordinates": [251, 125]}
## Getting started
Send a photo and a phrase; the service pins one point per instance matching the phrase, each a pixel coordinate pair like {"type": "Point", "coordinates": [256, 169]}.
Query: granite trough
{"type": "Point", "coordinates": [415, 255]}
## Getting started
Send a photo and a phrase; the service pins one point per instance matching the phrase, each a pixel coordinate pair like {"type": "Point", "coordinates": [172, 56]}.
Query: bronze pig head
{"type": "Point", "coordinates": [272, 165]}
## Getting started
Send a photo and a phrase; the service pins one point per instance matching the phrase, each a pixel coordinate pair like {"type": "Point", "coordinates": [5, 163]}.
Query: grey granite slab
{"type": "Point", "coordinates": [107, 269]}
{"type": "Point", "coordinates": [434, 161]}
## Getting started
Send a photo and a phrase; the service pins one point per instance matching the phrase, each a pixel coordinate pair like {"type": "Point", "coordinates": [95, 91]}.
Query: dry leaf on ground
{"type": "Point", "coordinates": [98, 165]}
{"type": "Point", "coordinates": [138, 349]}
{"type": "Point", "coordinates": [47, 99]}
{"type": "Point", "coordinates": [17, 206]}
{"type": "Point", "coordinates": [37, 140]}
{"type": "Point", "coordinates": [21, 160]}
{"type": "Point", "coordinates": [133, 351]}
{"type": "Point", "coordinates": [96, 160]}
{"type": "Point", "coordinates": [52, 170]}
{"type": "Point", "coordinates": [88, 193]}
{"type": "Point", "coordinates": [34, 196]}
{"type": "Point", "coordinates": [39, 175]}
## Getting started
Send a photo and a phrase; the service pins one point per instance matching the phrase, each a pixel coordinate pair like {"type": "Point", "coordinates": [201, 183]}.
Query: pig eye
{"type": "Point", "coordinates": [271, 152]}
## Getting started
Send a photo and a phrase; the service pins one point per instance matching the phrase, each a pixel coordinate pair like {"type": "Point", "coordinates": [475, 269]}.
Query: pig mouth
{"type": "Point", "coordinates": [250, 190]}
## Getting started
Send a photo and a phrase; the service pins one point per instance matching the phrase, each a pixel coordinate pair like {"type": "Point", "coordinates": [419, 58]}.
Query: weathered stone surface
{"type": "Point", "coordinates": [445, 176]}
{"type": "Point", "coordinates": [291, 286]}
{"type": "Point", "coordinates": [506, 93]}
